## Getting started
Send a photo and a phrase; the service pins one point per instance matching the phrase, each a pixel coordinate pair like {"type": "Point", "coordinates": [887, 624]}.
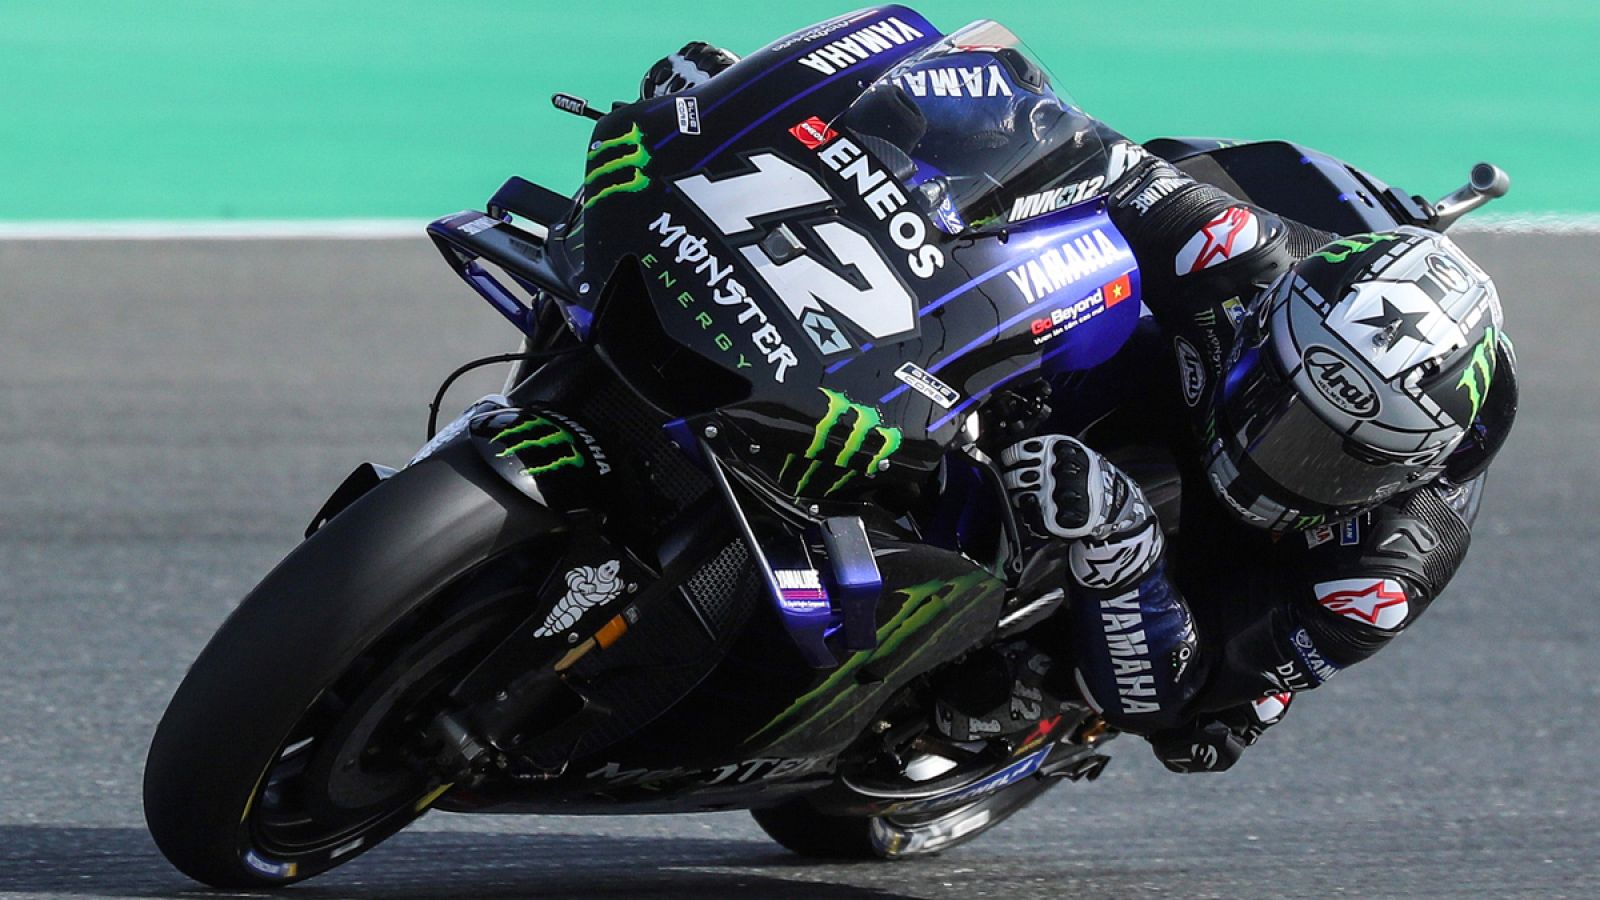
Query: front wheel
{"type": "Point", "coordinates": [290, 746]}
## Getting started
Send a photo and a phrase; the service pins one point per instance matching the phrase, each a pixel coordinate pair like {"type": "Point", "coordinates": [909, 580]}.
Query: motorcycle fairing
{"type": "Point", "coordinates": [925, 618]}
{"type": "Point", "coordinates": [546, 455]}
{"type": "Point", "coordinates": [843, 332]}
{"type": "Point", "coordinates": [788, 722]}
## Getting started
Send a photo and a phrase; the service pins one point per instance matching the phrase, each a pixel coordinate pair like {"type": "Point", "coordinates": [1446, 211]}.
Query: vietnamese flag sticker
{"type": "Point", "coordinates": [1119, 290]}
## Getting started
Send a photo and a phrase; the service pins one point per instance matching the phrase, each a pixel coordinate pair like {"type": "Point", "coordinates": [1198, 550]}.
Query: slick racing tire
{"type": "Point", "coordinates": [802, 828]}
{"type": "Point", "coordinates": [278, 757]}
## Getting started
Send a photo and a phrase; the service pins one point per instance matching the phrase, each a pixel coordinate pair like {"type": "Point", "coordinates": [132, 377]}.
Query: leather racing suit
{"type": "Point", "coordinates": [1198, 642]}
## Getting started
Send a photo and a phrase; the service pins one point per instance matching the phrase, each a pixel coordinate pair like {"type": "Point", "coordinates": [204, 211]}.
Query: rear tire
{"type": "Point", "coordinates": [257, 774]}
{"type": "Point", "coordinates": [802, 828]}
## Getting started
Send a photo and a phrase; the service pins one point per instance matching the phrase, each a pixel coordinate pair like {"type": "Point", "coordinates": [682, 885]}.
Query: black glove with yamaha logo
{"type": "Point", "coordinates": [1215, 742]}
{"type": "Point", "coordinates": [692, 66]}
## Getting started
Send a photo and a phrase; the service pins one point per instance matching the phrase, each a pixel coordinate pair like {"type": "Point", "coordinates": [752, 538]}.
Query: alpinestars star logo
{"type": "Point", "coordinates": [1104, 565]}
{"type": "Point", "coordinates": [1220, 240]}
{"type": "Point", "coordinates": [1270, 709]}
{"type": "Point", "coordinates": [587, 587]}
{"type": "Point", "coordinates": [1380, 602]}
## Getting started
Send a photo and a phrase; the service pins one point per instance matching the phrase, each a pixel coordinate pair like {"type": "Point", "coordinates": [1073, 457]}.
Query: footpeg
{"type": "Point", "coordinates": [996, 694]}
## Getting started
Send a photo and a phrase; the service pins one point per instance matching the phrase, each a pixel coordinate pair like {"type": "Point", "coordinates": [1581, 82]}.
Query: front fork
{"type": "Point", "coordinates": [587, 601]}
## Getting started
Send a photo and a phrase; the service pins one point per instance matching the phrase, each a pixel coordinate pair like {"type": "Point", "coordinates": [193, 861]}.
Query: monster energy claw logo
{"type": "Point", "coordinates": [539, 433]}
{"type": "Point", "coordinates": [624, 154]}
{"type": "Point", "coordinates": [841, 694]}
{"type": "Point", "coordinates": [1356, 243]}
{"type": "Point", "coordinates": [866, 423]}
{"type": "Point", "coordinates": [1479, 371]}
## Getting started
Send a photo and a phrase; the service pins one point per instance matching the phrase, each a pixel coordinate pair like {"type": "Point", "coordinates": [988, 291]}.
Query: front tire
{"type": "Point", "coordinates": [260, 773]}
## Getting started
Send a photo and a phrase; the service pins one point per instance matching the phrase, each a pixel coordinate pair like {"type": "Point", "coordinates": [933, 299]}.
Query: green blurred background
{"type": "Point", "coordinates": [291, 109]}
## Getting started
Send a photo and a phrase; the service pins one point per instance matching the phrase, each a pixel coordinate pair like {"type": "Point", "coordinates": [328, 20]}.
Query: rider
{"type": "Point", "coordinates": [1337, 403]}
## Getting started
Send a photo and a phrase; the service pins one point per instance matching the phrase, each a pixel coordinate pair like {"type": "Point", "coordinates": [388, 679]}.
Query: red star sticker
{"type": "Point", "coordinates": [1368, 603]}
{"type": "Point", "coordinates": [1220, 234]}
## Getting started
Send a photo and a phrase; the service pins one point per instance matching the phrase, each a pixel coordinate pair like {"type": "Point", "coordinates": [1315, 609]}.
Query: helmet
{"type": "Point", "coordinates": [1356, 374]}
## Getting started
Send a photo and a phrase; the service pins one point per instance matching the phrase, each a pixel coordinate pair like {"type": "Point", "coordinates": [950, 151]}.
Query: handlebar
{"type": "Point", "coordinates": [1486, 182]}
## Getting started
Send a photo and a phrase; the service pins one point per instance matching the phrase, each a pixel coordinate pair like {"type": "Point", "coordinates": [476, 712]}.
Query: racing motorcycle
{"type": "Point", "coordinates": [732, 536]}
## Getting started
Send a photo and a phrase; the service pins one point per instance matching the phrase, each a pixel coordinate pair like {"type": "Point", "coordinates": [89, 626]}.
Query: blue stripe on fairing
{"type": "Point", "coordinates": [750, 82]}
{"type": "Point", "coordinates": [1037, 227]}
{"type": "Point", "coordinates": [845, 362]}
{"type": "Point", "coordinates": [986, 276]}
{"type": "Point", "coordinates": [931, 35]}
{"type": "Point", "coordinates": [938, 423]}
{"type": "Point", "coordinates": [979, 340]}
{"type": "Point", "coordinates": [774, 111]}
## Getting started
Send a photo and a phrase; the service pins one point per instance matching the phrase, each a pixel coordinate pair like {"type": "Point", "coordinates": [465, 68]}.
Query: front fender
{"type": "Point", "coordinates": [544, 454]}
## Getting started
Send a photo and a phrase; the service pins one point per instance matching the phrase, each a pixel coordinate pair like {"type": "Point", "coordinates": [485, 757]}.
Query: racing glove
{"type": "Point", "coordinates": [1213, 743]}
{"type": "Point", "coordinates": [1065, 490]}
{"type": "Point", "coordinates": [692, 66]}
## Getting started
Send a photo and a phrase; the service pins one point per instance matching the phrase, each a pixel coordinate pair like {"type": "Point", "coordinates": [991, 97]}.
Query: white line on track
{"type": "Point", "coordinates": [1532, 223]}
{"type": "Point", "coordinates": [388, 229]}
{"type": "Point", "coordinates": [214, 229]}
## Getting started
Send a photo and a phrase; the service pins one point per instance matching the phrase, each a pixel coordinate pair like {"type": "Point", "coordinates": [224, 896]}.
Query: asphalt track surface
{"type": "Point", "coordinates": [172, 413]}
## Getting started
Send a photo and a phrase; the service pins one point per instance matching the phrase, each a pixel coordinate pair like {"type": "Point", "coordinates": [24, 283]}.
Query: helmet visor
{"type": "Point", "coordinates": [1264, 420]}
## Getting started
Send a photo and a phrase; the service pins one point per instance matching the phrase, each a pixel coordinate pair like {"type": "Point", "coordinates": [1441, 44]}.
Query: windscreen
{"type": "Point", "coordinates": [975, 124]}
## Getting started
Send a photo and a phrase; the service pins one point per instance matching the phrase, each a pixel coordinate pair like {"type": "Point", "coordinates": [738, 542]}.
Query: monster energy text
{"type": "Point", "coordinates": [689, 249]}
{"type": "Point", "coordinates": [610, 160]}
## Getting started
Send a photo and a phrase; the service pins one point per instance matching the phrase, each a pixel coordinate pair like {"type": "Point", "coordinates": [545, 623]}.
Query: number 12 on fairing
{"type": "Point", "coordinates": [883, 309]}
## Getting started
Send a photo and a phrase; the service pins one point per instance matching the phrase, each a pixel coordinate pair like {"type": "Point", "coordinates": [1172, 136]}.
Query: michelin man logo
{"type": "Point", "coordinates": [587, 587]}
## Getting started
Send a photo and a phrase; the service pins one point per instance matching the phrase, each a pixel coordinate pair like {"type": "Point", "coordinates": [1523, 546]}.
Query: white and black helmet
{"type": "Point", "coordinates": [1357, 373]}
